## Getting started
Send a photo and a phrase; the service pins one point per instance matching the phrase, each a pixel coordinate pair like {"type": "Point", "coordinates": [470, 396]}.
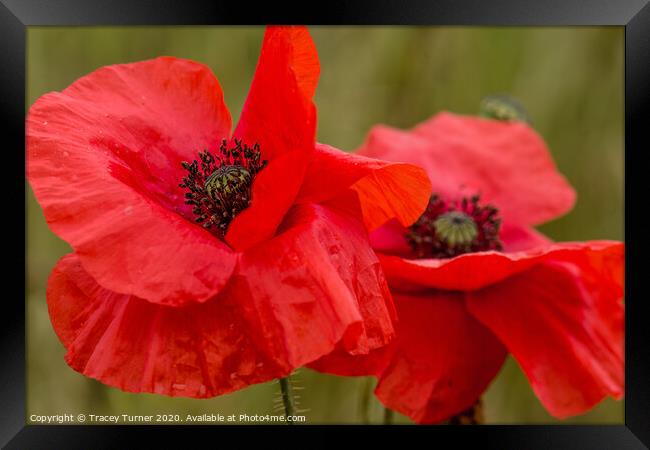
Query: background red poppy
{"type": "Point", "coordinates": [569, 79]}
{"type": "Point", "coordinates": [556, 307]}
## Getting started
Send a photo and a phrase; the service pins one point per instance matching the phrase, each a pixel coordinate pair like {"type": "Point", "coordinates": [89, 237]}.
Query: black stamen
{"type": "Point", "coordinates": [221, 188]}
{"type": "Point", "coordinates": [448, 229]}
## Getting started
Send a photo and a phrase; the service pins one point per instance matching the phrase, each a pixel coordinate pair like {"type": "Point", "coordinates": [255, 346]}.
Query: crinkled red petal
{"type": "Point", "coordinates": [474, 271]}
{"type": "Point", "coordinates": [507, 163]}
{"type": "Point", "coordinates": [292, 300]}
{"type": "Point", "coordinates": [386, 190]}
{"type": "Point", "coordinates": [196, 350]}
{"type": "Point", "coordinates": [343, 363]}
{"type": "Point", "coordinates": [103, 159]}
{"type": "Point", "coordinates": [443, 358]}
{"type": "Point", "coordinates": [280, 116]}
{"type": "Point", "coordinates": [324, 255]}
{"type": "Point", "coordinates": [563, 321]}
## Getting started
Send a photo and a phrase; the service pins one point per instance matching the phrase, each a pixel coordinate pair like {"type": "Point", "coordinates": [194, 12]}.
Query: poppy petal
{"type": "Point", "coordinates": [507, 163]}
{"type": "Point", "coordinates": [280, 116]}
{"type": "Point", "coordinates": [443, 361]}
{"type": "Point", "coordinates": [517, 238]}
{"type": "Point", "coordinates": [196, 350]}
{"type": "Point", "coordinates": [473, 271]}
{"type": "Point", "coordinates": [292, 300]}
{"type": "Point", "coordinates": [563, 323]}
{"type": "Point", "coordinates": [342, 363]}
{"type": "Point", "coordinates": [103, 159]}
{"type": "Point", "coordinates": [390, 239]}
{"type": "Point", "coordinates": [320, 278]}
{"type": "Point", "coordinates": [386, 190]}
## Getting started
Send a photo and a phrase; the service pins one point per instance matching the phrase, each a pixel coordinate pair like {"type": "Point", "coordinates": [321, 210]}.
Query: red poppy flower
{"type": "Point", "coordinates": [205, 262]}
{"type": "Point", "coordinates": [472, 280]}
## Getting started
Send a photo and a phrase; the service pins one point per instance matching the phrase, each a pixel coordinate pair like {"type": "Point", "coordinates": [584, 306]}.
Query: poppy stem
{"type": "Point", "coordinates": [364, 400]}
{"type": "Point", "coordinates": [287, 397]}
{"type": "Point", "coordinates": [389, 414]}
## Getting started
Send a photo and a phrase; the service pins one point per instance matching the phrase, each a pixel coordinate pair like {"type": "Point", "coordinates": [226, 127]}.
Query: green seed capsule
{"type": "Point", "coordinates": [455, 228]}
{"type": "Point", "coordinates": [225, 183]}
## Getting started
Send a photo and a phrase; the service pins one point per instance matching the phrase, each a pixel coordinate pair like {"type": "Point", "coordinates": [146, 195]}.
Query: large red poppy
{"type": "Point", "coordinates": [472, 280]}
{"type": "Point", "coordinates": [199, 278]}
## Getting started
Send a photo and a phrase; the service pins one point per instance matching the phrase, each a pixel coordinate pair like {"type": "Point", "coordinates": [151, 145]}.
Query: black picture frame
{"type": "Point", "coordinates": [633, 15]}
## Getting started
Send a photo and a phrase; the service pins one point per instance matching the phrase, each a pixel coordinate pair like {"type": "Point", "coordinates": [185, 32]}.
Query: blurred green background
{"type": "Point", "coordinates": [569, 79]}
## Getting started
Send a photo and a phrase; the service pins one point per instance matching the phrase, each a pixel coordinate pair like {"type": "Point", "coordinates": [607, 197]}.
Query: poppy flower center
{"type": "Point", "coordinates": [220, 187]}
{"type": "Point", "coordinates": [451, 228]}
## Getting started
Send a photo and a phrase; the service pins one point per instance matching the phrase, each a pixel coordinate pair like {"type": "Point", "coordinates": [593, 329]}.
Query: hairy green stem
{"type": "Point", "coordinates": [287, 397]}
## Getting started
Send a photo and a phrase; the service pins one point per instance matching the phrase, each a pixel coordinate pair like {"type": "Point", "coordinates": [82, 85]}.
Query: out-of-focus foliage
{"type": "Point", "coordinates": [569, 79]}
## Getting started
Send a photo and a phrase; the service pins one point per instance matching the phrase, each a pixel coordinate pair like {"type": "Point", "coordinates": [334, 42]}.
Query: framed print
{"type": "Point", "coordinates": [401, 218]}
